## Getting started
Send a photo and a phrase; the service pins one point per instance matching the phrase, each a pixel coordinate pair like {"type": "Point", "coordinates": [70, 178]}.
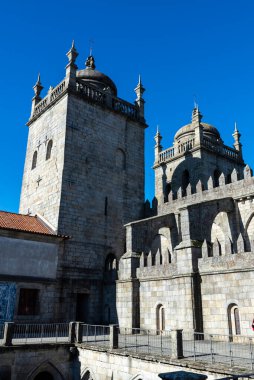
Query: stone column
{"type": "Point", "coordinates": [79, 332]}
{"type": "Point", "coordinates": [72, 332]}
{"type": "Point", "coordinates": [8, 333]}
{"type": "Point", "coordinates": [177, 344]}
{"type": "Point", "coordinates": [113, 336]}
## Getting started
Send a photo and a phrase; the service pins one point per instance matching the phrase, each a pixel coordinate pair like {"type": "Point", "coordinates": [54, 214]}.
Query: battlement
{"type": "Point", "coordinates": [204, 192]}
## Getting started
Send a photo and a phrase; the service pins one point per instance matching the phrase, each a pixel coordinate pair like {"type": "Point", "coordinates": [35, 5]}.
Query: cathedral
{"type": "Point", "coordinates": [86, 247]}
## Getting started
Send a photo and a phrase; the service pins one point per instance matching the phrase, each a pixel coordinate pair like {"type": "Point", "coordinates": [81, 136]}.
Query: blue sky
{"type": "Point", "coordinates": [182, 48]}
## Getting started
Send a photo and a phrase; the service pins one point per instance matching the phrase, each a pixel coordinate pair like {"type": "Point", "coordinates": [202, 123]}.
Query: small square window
{"type": "Point", "coordinates": [28, 302]}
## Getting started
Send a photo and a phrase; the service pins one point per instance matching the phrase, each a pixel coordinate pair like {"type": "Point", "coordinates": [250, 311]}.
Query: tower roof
{"type": "Point", "coordinates": [188, 129]}
{"type": "Point", "coordinates": [95, 77]}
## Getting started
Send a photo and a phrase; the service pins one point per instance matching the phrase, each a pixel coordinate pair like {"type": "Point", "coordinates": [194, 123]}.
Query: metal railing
{"type": "Point", "coordinates": [145, 341]}
{"type": "Point", "coordinates": [231, 351]}
{"type": "Point", "coordinates": [224, 349]}
{"type": "Point", "coordinates": [95, 334]}
{"type": "Point", "coordinates": [40, 333]}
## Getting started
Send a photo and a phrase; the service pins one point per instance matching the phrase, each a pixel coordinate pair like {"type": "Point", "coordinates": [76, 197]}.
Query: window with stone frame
{"type": "Point", "coordinates": [49, 149]}
{"type": "Point", "coordinates": [28, 302]}
{"type": "Point", "coordinates": [34, 161]}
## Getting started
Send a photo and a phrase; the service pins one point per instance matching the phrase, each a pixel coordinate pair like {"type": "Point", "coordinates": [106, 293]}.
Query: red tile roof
{"type": "Point", "coordinates": [27, 223]}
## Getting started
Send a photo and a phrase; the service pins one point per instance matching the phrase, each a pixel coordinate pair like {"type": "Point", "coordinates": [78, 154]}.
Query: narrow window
{"type": "Point", "coordinates": [49, 149]}
{"type": "Point", "coordinates": [34, 162]}
{"type": "Point", "coordinates": [28, 302]}
{"type": "Point", "coordinates": [106, 206]}
{"type": "Point", "coordinates": [160, 318]}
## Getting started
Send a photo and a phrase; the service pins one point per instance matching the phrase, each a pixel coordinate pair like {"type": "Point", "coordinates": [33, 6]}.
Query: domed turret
{"type": "Point", "coordinates": [188, 130]}
{"type": "Point", "coordinates": [95, 77]}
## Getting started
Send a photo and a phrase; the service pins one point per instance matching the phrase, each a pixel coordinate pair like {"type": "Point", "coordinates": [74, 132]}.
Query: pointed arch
{"type": "Point", "coordinates": [48, 368]}
{"type": "Point", "coordinates": [87, 374]}
{"type": "Point", "coordinates": [221, 239]}
{"type": "Point", "coordinates": [249, 233]}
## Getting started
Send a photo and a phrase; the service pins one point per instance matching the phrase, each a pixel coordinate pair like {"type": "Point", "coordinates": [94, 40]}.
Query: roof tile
{"type": "Point", "coordinates": [27, 223]}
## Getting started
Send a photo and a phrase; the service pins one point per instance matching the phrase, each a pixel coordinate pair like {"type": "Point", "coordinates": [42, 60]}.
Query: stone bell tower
{"type": "Point", "coordinates": [84, 174]}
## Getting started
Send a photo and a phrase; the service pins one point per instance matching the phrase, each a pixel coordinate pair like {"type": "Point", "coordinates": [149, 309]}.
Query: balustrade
{"type": "Point", "coordinates": [125, 108]}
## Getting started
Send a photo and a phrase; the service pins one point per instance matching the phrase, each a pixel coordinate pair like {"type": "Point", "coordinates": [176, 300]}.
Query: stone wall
{"type": "Point", "coordinates": [104, 365]}
{"type": "Point", "coordinates": [24, 363]}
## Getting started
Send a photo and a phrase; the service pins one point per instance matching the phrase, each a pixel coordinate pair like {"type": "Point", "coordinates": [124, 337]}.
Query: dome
{"type": "Point", "coordinates": [95, 77]}
{"type": "Point", "coordinates": [188, 129]}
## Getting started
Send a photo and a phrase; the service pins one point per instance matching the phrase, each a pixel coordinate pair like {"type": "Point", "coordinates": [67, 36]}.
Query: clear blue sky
{"type": "Point", "coordinates": [182, 49]}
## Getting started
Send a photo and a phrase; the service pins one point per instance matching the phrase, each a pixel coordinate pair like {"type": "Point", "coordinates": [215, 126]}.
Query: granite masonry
{"type": "Point", "coordinates": [85, 247]}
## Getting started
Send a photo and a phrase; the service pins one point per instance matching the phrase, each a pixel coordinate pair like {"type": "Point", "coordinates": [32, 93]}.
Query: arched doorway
{"type": "Point", "coordinates": [234, 326]}
{"type": "Point", "coordinates": [44, 376]}
{"type": "Point", "coordinates": [160, 318]}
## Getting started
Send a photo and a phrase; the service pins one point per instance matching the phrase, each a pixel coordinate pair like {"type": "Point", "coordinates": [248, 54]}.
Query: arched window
{"type": "Point", "coordinates": [216, 176]}
{"type": "Point", "coordinates": [120, 159]}
{"type": "Point", "coordinates": [34, 161]}
{"type": "Point", "coordinates": [234, 320]}
{"type": "Point", "coordinates": [185, 181]}
{"type": "Point", "coordinates": [160, 318]}
{"type": "Point", "coordinates": [49, 149]}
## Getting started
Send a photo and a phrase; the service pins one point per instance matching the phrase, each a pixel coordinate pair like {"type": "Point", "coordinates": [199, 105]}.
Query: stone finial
{"type": "Point", "coordinates": [216, 248]}
{"type": "Point", "coordinates": [179, 193]}
{"type": "Point", "coordinates": [149, 259]}
{"type": "Point", "coordinates": [72, 54]}
{"type": "Point", "coordinates": [158, 257]}
{"type": "Point", "coordinates": [139, 90]}
{"type": "Point", "coordinates": [142, 260]}
{"type": "Point", "coordinates": [228, 245]}
{"type": "Point", "coordinates": [199, 187]}
{"type": "Point", "coordinates": [222, 180]}
{"type": "Point", "coordinates": [205, 249]}
{"type": "Point", "coordinates": [210, 183]}
{"type": "Point", "coordinates": [247, 172]}
{"type": "Point", "coordinates": [234, 175]}
{"type": "Point", "coordinates": [237, 135]}
{"type": "Point", "coordinates": [240, 244]}
{"type": "Point", "coordinates": [90, 63]}
{"type": "Point", "coordinates": [188, 190]}
{"type": "Point", "coordinates": [158, 146]}
{"type": "Point", "coordinates": [170, 196]}
{"type": "Point", "coordinates": [196, 122]}
{"type": "Point", "coordinates": [196, 115]}
{"type": "Point", "coordinates": [38, 87]}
